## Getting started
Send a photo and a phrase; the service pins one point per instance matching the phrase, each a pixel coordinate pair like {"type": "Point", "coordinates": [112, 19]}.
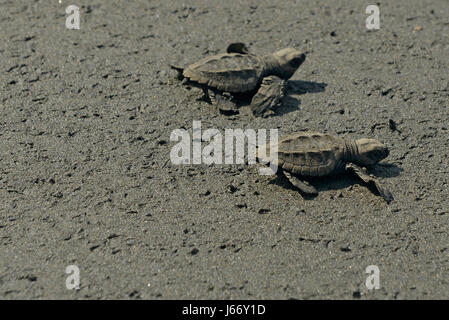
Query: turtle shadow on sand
{"type": "Point", "coordinates": [297, 87]}
{"type": "Point", "coordinates": [302, 87]}
{"type": "Point", "coordinates": [289, 104]}
{"type": "Point", "coordinates": [340, 181]}
{"type": "Point", "coordinates": [385, 170]}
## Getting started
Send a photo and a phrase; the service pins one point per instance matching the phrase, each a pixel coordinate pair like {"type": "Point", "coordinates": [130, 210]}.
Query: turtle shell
{"type": "Point", "coordinates": [231, 72]}
{"type": "Point", "coordinates": [308, 153]}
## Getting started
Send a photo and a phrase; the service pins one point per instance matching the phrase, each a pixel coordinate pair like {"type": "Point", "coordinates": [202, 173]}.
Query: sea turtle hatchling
{"type": "Point", "coordinates": [225, 75]}
{"type": "Point", "coordinates": [303, 155]}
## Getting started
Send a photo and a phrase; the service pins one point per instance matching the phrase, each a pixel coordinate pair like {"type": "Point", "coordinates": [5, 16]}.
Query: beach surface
{"type": "Point", "coordinates": [86, 178]}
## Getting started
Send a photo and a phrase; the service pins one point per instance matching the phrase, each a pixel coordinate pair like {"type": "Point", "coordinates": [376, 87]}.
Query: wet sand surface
{"type": "Point", "coordinates": [86, 177]}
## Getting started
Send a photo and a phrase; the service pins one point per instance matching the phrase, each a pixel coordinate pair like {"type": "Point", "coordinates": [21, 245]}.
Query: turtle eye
{"type": "Point", "coordinates": [295, 61]}
{"type": "Point", "coordinates": [375, 155]}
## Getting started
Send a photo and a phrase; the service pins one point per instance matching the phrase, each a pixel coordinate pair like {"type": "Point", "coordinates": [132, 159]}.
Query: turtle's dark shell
{"type": "Point", "coordinates": [308, 153]}
{"type": "Point", "coordinates": [230, 72]}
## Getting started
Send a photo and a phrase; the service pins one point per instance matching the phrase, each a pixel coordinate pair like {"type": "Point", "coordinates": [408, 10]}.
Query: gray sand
{"type": "Point", "coordinates": [86, 118]}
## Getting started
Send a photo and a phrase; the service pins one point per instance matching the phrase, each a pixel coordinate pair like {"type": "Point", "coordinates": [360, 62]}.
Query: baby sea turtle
{"type": "Point", "coordinates": [225, 75]}
{"type": "Point", "coordinates": [304, 155]}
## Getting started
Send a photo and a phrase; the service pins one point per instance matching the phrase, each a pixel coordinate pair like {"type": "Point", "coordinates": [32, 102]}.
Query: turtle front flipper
{"type": "Point", "coordinates": [369, 180]}
{"type": "Point", "coordinates": [237, 47]}
{"type": "Point", "coordinates": [222, 100]}
{"type": "Point", "coordinates": [301, 185]}
{"type": "Point", "coordinates": [269, 96]}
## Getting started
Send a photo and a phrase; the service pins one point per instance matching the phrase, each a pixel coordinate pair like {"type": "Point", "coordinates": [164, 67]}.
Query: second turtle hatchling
{"type": "Point", "coordinates": [304, 155]}
{"type": "Point", "coordinates": [223, 76]}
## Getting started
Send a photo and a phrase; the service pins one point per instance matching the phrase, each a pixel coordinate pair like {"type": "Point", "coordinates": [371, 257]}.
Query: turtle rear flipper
{"type": "Point", "coordinates": [269, 96]}
{"type": "Point", "coordinates": [237, 47]}
{"type": "Point", "coordinates": [371, 181]}
{"type": "Point", "coordinates": [222, 100]}
{"type": "Point", "coordinates": [180, 71]}
{"type": "Point", "coordinates": [301, 185]}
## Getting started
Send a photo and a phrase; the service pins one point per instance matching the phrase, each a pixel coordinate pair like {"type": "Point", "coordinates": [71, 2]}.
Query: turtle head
{"type": "Point", "coordinates": [370, 151]}
{"type": "Point", "coordinates": [288, 61]}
